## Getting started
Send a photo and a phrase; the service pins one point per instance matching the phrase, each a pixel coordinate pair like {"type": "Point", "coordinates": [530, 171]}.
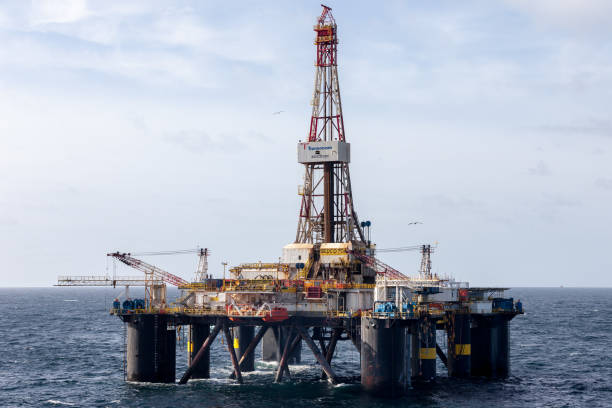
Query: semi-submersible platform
{"type": "Point", "coordinates": [328, 286]}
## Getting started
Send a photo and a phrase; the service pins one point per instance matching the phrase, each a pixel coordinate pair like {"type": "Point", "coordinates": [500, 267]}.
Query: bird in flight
{"type": "Point", "coordinates": [414, 223]}
{"type": "Point", "coordinates": [277, 112]}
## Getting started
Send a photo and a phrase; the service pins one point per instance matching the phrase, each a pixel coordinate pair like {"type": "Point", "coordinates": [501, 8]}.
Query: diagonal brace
{"type": "Point", "coordinates": [282, 365]}
{"type": "Point", "coordinates": [251, 348]}
{"type": "Point", "coordinates": [230, 348]}
{"type": "Point", "coordinates": [205, 346]}
{"type": "Point", "coordinates": [315, 350]}
{"type": "Point", "coordinates": [441, 354]}
{"type": "Point", "coordinates": [331, 347]}
{"type": "Point", "coordinates": [294, 343]}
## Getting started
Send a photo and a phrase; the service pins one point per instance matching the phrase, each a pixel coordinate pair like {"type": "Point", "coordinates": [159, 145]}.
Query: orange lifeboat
{"type": "Point", "coordinates": [276, 314]}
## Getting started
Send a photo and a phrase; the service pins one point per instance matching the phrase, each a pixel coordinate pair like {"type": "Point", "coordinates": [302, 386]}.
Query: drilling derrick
{"type": "Point", "coordinates": [327, 213]}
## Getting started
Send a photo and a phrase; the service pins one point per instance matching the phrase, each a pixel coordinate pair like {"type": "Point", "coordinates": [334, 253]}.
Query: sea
{"type": "Point", "coordinates": [60, 347]}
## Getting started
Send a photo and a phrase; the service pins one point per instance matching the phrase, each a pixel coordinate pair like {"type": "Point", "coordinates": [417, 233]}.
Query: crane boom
{"type": "Point", "coordinates": [380, 267]}
{"type": "Point", "coordinates": [148, 269]}
{"type": "Point", "coordinates": [102, 280]}
{"type": "Point", "coordinates": [391, 273]}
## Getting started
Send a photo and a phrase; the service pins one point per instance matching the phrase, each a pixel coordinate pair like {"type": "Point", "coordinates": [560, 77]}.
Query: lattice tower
{"type": "Point", "coordinates": [327, 212]}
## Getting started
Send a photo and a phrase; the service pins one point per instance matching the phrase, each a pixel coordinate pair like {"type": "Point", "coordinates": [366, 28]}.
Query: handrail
{"type": "Point", "coordinates": [272, 285]}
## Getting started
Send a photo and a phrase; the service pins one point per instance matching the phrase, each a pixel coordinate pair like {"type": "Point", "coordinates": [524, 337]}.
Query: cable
{"type": "Point", "coordinates": [177, 252]}
{"type": "Point", "coordinates": [400, 249]}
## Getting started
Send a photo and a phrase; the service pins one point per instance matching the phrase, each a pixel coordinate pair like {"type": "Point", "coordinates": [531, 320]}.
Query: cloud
{"type": "Point", "coordinates": [567, 13]}
{"type": "Point", "coordinates": [198, 141]}
{"type": "Point", "coordinates": [598, 127]}
{"type": "Point", "coordinates": [8, 222]}
{"type": "Point", "coordinates": [555, 201]}
{"type": "Point", "coordinates": [604, 183]}
{"type": "Point", "coordinates": [556, 207]}
{"type": "Point", "coordinates": [447, 203]}
{"type": "Point", "coordinates": [142, 42]}
{"type": "Point", "coordinates": [541, 169]}
{"type": "Point", "coordinates": [57, 11]}
{"type": "Point", "coordinates": [131, 99]}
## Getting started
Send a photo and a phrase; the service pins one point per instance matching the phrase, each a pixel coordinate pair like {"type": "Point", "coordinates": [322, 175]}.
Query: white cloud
{"type": "Point", "coordinates": [541, 169]}
{"type": "Point", "coordinates": [136, 125]}
{"type": "Point", "coordinates": [57, 11]}
{"type": "Point", "coordinates": [581, 14]}
{"type": "Point", "coordinates": [140, 42]}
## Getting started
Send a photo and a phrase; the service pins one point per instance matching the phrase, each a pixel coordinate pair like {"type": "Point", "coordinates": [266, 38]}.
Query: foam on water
{"type": "Point", "coordinates": [56, 402]}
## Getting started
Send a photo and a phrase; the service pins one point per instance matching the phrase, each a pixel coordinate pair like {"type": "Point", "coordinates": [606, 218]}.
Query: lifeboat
{"type": "Point", "coordinates": [276, 314]}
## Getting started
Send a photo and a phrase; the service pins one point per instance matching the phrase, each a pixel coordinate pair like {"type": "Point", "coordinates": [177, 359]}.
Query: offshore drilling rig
{"type": "Point", "coordinates": [328, 286]}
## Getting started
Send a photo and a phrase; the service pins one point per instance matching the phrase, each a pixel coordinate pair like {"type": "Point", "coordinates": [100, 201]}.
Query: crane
{"type": "Point", "coordinates": [155, 294]}
{"type": "Point", "coordinates": [151, 272]}
{"type": "Point", "coordinates": [155, 278]}
{"type": "Point", "coordinates": [390, 272]}
{"type": "Point", "coordinates": [202, 271]}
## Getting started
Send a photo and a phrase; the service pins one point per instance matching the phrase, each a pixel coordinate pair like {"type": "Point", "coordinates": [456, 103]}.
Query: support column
{"type": "Point", "coordinates": [273, 344]}
{"type": "Point", "coordinates": [243, 335]}
{"type": "Point", "coordinates": [355, 336]}
{"type": "Point", "coordinates": [427, 350]}
{"type": "Point", "coordinates": [168, 360]}
{"type": "Point", "coordinates": [503, 348]}
{"type": "Point", "coordinates": [459, 344]}
{"type": "Point", "coordinates": [151, 350]}
{"type": "Point", "coordinates": [490, 351]}
{"type": "Point", "coordinates": [199, 334]}
{"type": "Point", "coordinates": [385, 357]}
{"type": "Point", "coordinates": [415, 361]}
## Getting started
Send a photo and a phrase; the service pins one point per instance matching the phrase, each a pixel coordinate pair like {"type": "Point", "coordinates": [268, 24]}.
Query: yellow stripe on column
{"type": "Point", "coordinates": [463, 349]}
{"type": "Point", "coordinates": [427, 353]}
{"type": "Point", "coordinates": [190, 346]}
{"type": "Point", "coordinates": [236, 343]}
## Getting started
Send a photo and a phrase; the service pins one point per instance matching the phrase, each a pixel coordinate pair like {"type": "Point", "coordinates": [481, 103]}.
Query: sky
{"type": "Point", "coordinates": [149, 126]}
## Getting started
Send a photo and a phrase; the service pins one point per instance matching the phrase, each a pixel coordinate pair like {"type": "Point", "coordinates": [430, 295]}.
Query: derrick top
{"type": "Point", "coordinates": [326, 17]}
{"type": "Point", "coordinates": [326, 29]}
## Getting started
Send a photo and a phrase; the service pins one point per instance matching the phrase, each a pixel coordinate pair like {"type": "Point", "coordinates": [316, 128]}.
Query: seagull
{"type": "Point", "coordinates": [414, 223]}
{"type": "Point", "coordinates": [277, 112]}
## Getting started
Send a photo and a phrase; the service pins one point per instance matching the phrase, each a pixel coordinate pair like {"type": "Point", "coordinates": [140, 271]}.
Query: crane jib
{"type": "Point", "coordinates": [147, 268]}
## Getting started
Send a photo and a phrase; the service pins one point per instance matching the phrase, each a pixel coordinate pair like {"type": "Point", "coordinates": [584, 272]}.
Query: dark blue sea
{"type": "Point", "coordinates": [59, 347]}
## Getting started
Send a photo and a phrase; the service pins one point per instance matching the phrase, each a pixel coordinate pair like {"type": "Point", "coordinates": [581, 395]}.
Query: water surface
{"type": "Point", "coordinates": [60, 347]}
